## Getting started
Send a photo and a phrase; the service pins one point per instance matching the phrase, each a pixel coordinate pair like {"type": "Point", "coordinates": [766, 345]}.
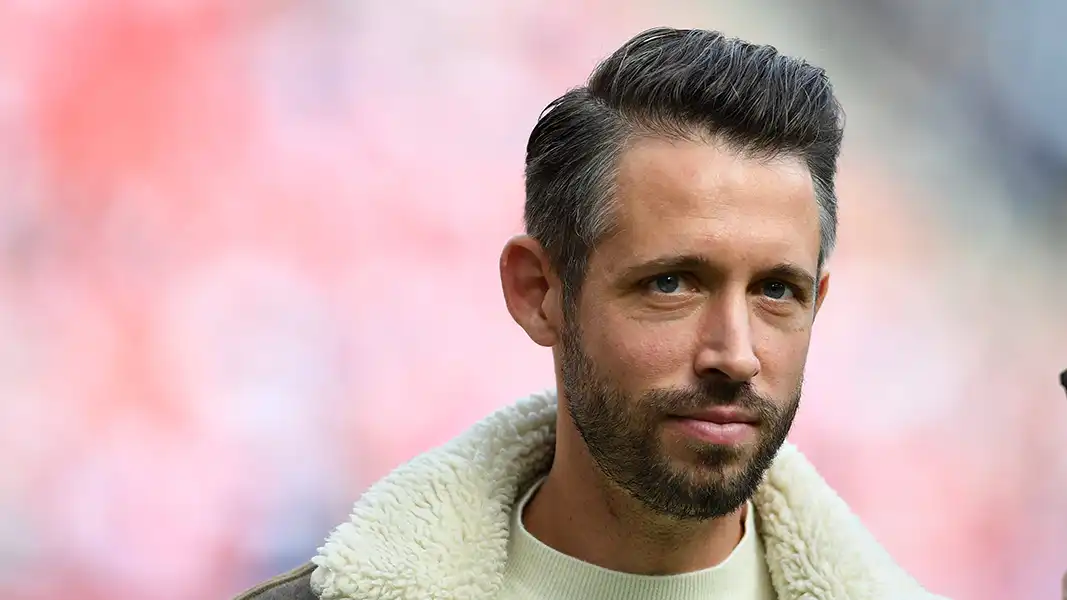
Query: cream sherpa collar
{"type": "Point", "coordinates": [437, 527]}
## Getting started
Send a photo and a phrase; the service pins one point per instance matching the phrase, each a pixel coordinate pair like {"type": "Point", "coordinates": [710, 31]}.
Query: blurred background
{"type": "Point", "coordinates": [248, 265]}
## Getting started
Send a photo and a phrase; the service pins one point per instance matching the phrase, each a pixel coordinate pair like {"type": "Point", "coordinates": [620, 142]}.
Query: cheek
{"type": "Point", "coordinates": [782, 357]}
{"type": "Point", "coordinates": [643, 355]}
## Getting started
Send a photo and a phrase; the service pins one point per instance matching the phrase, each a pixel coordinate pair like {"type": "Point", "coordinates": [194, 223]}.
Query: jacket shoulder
{"type": "Point", "coordinates": [294, 585]}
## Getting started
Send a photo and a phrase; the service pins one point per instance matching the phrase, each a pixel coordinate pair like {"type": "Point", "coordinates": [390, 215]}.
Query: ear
{"type": "Point", "coordinates": [532, 290]}
{"type": "Point", "coordinates": [822, 289]}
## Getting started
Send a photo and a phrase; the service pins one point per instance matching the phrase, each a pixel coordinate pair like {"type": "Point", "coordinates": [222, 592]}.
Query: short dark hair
{"type": "Point", "coordinates": [679, 83]}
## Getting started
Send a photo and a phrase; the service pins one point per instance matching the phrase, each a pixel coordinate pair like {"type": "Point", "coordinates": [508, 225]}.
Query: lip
{"type": "Point", "coordinates": [723, 415]}
{"type": "Point", "coordinates": [722, 434]}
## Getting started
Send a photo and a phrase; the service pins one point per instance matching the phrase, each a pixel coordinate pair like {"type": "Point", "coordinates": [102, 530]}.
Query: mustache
{"type": "Point", "coordinates": [709, 394]}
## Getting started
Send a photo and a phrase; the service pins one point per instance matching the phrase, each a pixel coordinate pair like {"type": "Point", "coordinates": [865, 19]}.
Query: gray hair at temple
{"type": "Point", "coordinates": [682, 84]}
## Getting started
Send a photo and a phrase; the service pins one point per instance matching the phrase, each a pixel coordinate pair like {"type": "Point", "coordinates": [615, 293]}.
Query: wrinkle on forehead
{"type": "Point", "coordinates": [674, 193]}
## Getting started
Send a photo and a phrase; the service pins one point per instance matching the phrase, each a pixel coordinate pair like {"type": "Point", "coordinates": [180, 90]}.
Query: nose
{"type": "Point", "coordinates": [726, 348]}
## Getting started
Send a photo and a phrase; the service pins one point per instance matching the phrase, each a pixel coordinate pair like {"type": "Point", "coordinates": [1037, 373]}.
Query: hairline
{"type": "Point", "coordinates": [604, 207]}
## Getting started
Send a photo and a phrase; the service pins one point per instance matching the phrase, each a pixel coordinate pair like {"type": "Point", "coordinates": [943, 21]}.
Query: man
{"type": "Point", "coordinates": [680, 209]}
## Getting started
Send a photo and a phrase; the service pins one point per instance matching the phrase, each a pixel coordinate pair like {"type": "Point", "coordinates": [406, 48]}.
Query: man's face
{"type": "Point", "coordinates": [683, 360]}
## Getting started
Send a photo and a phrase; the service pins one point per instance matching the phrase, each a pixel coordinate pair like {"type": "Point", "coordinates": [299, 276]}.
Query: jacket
{"type": "Point", "coordinates": [437, 527]}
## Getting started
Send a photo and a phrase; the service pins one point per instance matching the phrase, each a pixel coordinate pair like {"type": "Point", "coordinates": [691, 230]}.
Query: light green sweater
{"type": "Point", "coordinates": [535, 571]}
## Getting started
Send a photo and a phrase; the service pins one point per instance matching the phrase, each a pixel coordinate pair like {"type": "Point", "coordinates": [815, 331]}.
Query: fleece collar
{"type": "Point", "coordinates": [437, 527]}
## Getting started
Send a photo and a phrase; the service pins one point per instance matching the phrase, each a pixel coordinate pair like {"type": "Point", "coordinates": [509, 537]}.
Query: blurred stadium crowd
{"type": "Point", "coordinates": [248, 265]}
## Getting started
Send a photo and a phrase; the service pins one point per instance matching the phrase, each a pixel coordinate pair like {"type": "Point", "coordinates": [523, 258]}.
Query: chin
{"type": "Point", "coordinates": [711, 462]}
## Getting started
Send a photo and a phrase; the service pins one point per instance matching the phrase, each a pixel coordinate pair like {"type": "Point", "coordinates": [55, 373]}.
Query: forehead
{"type": "Point", "coordinates": [696, 198]}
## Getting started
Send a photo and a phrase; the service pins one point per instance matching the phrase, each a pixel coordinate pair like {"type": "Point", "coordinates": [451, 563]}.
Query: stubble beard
{"type": "Point", "coordinates": [623, 435]}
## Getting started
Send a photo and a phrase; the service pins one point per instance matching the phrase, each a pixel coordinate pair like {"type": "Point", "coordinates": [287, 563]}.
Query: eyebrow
{"type": "Point", "coordinates": [783, 270]}
{"type": "Point", "coordinates": [792, 272]}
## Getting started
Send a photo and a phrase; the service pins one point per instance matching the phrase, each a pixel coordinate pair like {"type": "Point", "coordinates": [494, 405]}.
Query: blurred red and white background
{"type": "Point", "coordinates": [248, 265]}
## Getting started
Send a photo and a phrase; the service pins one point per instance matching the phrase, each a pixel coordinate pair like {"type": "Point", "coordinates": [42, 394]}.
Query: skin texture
{"type": "Point", "coordinates": [703, 295]}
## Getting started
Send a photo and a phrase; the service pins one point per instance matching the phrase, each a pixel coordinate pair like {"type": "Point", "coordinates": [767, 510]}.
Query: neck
{"type": "Point", "coordinates": [578, 512]}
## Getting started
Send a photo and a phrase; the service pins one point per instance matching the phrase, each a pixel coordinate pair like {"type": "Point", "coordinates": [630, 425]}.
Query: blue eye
{"type": "Point", "coordinates": [667, 284]}
{"type": "Point", "coordinates": [777, 290]}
